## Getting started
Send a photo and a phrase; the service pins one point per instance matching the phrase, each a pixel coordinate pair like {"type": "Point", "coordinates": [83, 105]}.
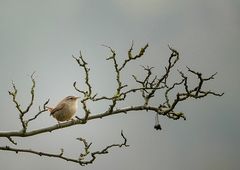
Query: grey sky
{"type": "Point", "coordinates": [42, 35]}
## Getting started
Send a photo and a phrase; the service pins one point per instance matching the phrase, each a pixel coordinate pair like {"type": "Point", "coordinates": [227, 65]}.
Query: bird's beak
{"type": "Point", "coordinates": [77, 97]}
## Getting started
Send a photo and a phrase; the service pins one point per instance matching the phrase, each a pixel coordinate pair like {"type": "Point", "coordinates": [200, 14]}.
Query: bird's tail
{"type": "Point", "coordinates": [50, 110]}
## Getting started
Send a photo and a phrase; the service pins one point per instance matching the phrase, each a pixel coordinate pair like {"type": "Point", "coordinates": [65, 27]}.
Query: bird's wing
{"type": "Point", "coordinates": [57, 108]}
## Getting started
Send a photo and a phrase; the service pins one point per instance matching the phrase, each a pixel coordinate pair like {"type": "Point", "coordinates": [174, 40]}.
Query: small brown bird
{"type": "Point", "coordinates": [65, 109]}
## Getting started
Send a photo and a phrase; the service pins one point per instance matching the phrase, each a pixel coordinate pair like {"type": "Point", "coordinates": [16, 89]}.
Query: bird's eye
{"type": "Point", "coordinates": [69, 98]}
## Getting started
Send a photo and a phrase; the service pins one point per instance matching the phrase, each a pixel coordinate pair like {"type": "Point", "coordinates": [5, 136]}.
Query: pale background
{"type": "Point", "coordinates": [42, 35]}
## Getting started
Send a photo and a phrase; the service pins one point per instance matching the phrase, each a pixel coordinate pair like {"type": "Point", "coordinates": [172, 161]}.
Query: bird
{"type": "Point", "coordinates": [65, 109]}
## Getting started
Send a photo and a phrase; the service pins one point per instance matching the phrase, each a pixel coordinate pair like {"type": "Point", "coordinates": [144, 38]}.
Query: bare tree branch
{"type": "Point", "coordinates": [44, 109]}
{"type": "Point", "coordinates": [23, 112]}
{"type": "Point", "coordinates": [82, 63]}
{"type": "Point", "coordinates": [147, 85]}
{"type": "Point", "coordinates": [11, 140]}
{"type": "Point", "coordinates": [131, 57]}
{"type": "Point", "coordinates": [81, 160]}
{"type": "Point", "coordinates": [87, 94]}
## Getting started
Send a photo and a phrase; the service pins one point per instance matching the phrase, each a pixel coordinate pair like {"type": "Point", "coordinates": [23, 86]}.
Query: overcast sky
{"type": "Point", "coordinates": [42, 35]}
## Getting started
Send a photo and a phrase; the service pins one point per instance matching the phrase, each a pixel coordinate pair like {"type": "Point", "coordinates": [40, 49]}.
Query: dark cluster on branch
{"type": "Point", "coordinates": [147, 86]}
